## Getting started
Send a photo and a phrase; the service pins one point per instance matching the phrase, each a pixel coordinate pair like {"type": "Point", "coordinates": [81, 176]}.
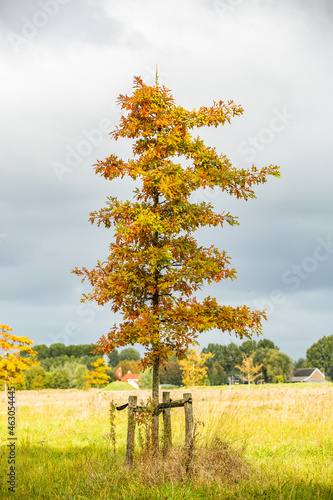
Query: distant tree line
{"type": "Point", "coordinates": [61, 367]}
{"type": "Point", "coordinates": [56, 350]}
{"type": "Point", "coordinates": [64, 367]}
{"type": "Point", "coordinates": [266, 353]}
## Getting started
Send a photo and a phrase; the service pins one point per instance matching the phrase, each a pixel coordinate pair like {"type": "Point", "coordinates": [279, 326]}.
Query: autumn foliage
{"type": "Point", "coordinates": [98, 375]}
{"type": "Point", "coordinates": [16, 356]}
{"type": "Point", "coordinates": [155, 265]}
{"type": "Point", "coordinates": [193, 367]}
{"type": "Point", "coordinates": [248, 367]}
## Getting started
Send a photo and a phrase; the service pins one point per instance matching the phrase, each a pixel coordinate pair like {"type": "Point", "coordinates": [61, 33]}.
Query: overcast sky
{"type": "Point", "coordinates": [63, 64]}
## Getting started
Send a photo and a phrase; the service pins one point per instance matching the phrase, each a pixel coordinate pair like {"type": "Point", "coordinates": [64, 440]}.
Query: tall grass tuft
{"type": "Point", "coordinates": [204, 461]}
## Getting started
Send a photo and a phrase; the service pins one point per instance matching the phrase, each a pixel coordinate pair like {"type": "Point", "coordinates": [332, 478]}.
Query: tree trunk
{"type": "Point", "coordinates": [132, 403]}
{"type": "Point", "coordinates": [155, 394]}
{"type": "Point", "coordinates": [156, 365]}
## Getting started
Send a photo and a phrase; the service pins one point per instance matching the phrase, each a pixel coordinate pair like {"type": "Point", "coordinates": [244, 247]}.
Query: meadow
{"type": "Point", "coordinates": [269, 442]}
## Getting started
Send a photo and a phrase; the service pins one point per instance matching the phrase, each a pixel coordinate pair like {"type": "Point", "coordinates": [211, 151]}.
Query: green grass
{"type": "Point", "coordinates": [282, 434]}
{"type": "Point", "coordinates": [119, 386]}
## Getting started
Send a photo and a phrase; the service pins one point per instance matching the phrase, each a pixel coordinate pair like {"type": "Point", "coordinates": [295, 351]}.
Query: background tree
{"type": "Point", "coordinates": [126, 365]}
{"type": "Point", "coordinates": [226, 355]}
{"type": "Point", "coordinates": [80, 350]}
{"type": "Point", "coordinates": [37, 378]}
{"type": "Point", "coordinates": [56, 350]}
{"type": "Point", "coordinates": [330, 373]}
{"type": "Point", "coordinates": [155, 265]}
{"type": "Point", "coordinates": [193, 368]}
{"type": "Point", "coordinates": [301, 363]}
{"type": "Point", "coordinates": [113, 358]}
{"type": "Point", "coordinates": [42, 351]}
{"type": "Point", "coordinates": [13, 360]}
{"type": "Point", "coordinates": [248, 347]}
{"type": "Point", "coordinates": [50, 364]}
{"type": "Point", "coordinates": [274, 362]}
{"type": "Point", "coordinates": [146, 379]}
{"type": "Point", "coordinates": [217, 375]}
{"type": "Point", "coordinates": [129, 354]}
{"type": "Point", "coordinates": [63, 371]}
{"type": "Point", "coordinates": [218, 354]}
{"type": "Point", "coordinates": [266, 344]}
{"type": "Point", "coordinates": [79, 372]}
{"type": "Point", "coordinates": [320, 354]}
{"type": "Point", "coordinates": [171, 373]}
{"type": "Point", "coordinates": [98, 376]}
{"type": "Point", "coordinates": [261, 357]}
{"type": "Point", "coordinates": [252, 372]}
{"type": "Point", "coordinates": [278, 364]}
{"type": "Point", "coordinates": [60, 379]}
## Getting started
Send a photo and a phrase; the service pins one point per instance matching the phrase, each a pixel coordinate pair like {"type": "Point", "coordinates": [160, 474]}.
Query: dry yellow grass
{"type": "Point", "coordinates": [283, 432]}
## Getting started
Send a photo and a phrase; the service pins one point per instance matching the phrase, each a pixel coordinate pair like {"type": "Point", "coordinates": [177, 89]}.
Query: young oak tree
{"type": "Point", "coordinates": [155, 264]}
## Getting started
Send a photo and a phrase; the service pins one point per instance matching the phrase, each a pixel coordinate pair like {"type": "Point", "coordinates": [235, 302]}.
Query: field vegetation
{"type": "Point", "coordinates": [269, 442]}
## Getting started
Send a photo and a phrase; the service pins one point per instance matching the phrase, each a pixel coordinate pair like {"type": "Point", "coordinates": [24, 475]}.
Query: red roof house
{"type": "Point", "coordinates": [129, 377]}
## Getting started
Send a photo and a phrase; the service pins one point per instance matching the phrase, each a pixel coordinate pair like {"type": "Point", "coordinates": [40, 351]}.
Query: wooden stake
{"type": "Point", "coordinates": [188, 418]}
{"type": "Point", "coordinates": [167, 423]}
{"type": "Point", "coordinates": [132, 403]}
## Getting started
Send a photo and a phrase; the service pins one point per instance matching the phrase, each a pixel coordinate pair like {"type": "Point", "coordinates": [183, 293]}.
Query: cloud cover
{"type": "Point", "coordinates": [64, 62]}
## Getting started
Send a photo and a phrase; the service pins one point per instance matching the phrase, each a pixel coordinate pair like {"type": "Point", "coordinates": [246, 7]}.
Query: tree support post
{"type": "Point", "coordinates": [132, 404]}
{"type": "Point", "coordinates": [189, 437]}
{"type": "Point", "coordinates": [167, 423]}
{"type": "Point", "coordinates": [187, 398]}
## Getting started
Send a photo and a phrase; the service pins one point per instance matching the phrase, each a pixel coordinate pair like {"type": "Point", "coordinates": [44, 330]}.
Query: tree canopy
{"type": "Point", "coordinates": [155, 265]}
{"type": "Point", "coordinates": [251, 371]}
{"type": "Point", "coordinates": [274, 363]}
{"type": "Point", "coordinates": [129, 354]}
{"type": "Point", "coordinates": [17, 356]}
{"type": "Point", "coordinates": [98, 375]}
{"type": "Point", "coordinates": [193, 367]}
{"type": "Point", "coordinates": [320, 354]}
{"type": "Point", "coordinates": [55, 350]}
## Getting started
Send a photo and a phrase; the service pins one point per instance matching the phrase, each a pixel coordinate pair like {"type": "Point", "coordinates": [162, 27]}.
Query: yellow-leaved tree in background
{"type": "Point", "coordinates": [97, 376]}
{"type": "Point", "coordinates": [193, 367]}
{"type": "Point", "coordinates": [251, 371]}
{"type": "Point", "coordinates": [16, 356]}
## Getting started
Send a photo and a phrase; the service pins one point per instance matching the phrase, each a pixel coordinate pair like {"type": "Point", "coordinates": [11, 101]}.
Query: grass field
{"type": "Point", "coordinates": [282, 437]}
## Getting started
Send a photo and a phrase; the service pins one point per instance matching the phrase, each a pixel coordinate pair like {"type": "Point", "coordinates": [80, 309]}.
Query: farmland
{"type": "Point", "coordinates": [279, 442]}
